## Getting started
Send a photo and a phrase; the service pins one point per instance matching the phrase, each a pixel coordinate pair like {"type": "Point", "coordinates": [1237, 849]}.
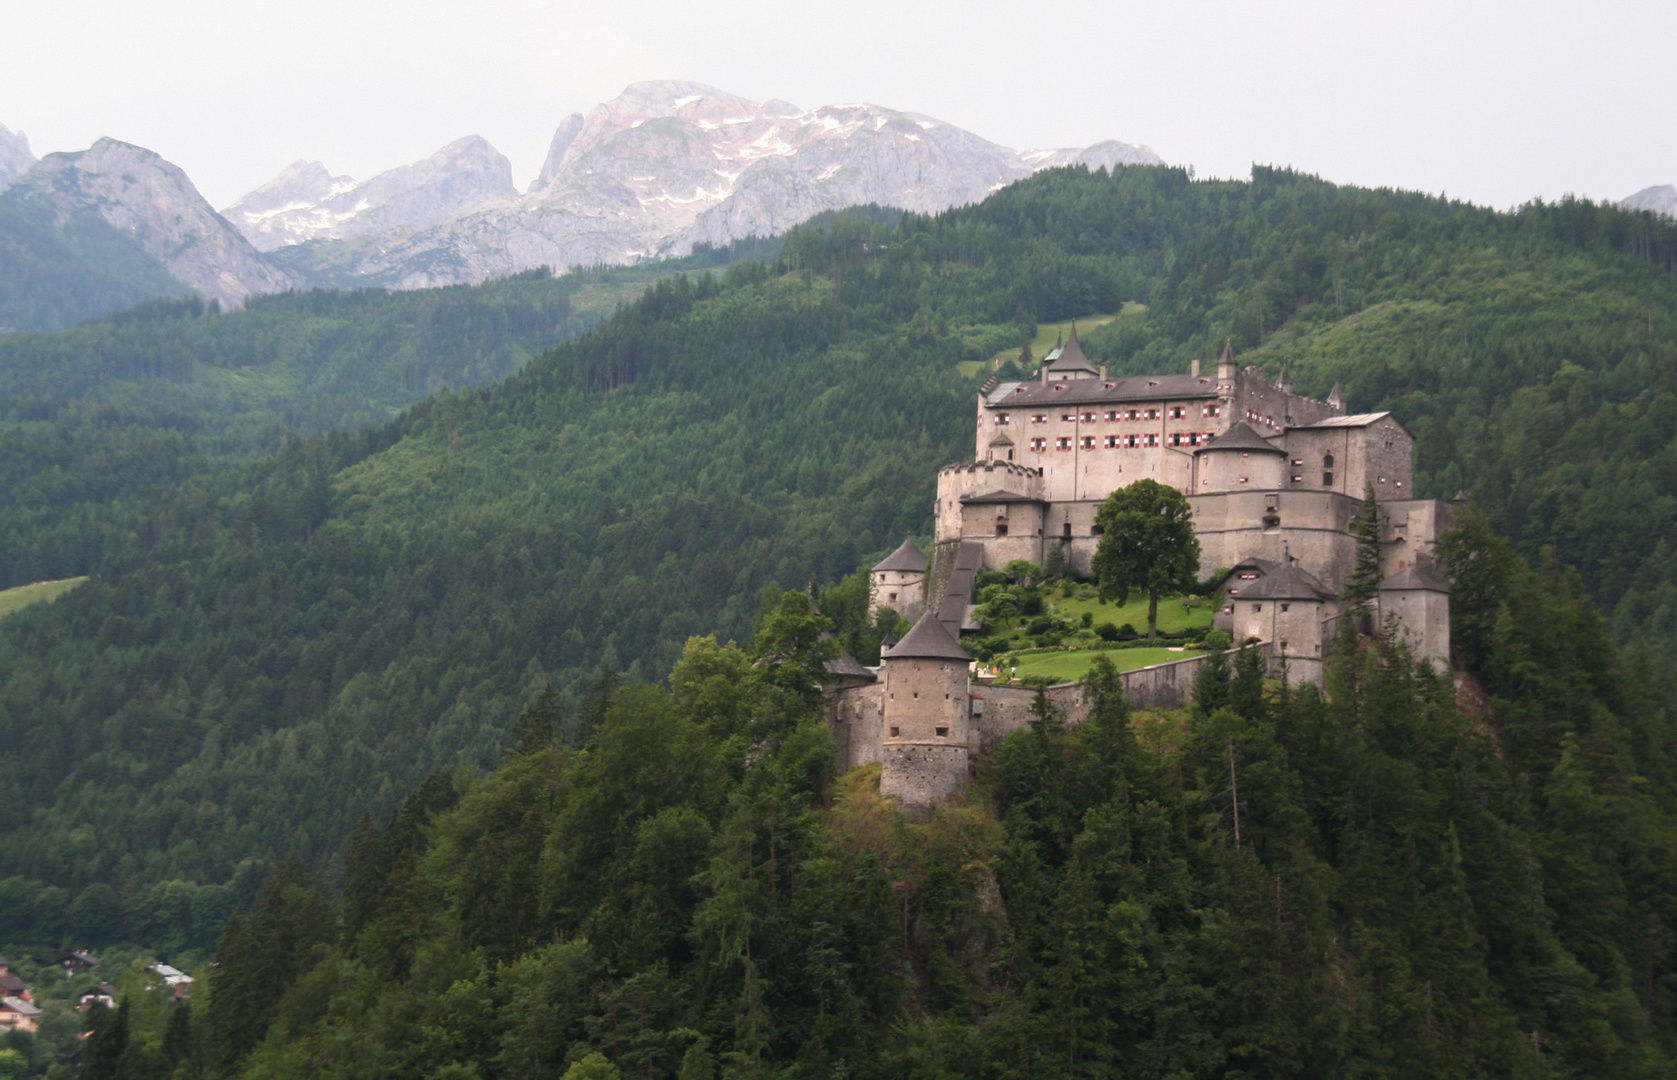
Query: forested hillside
{"type": "Point", "coordinates": [280, 655]}
{"type": "Point", "coordinates": [1277, 884]}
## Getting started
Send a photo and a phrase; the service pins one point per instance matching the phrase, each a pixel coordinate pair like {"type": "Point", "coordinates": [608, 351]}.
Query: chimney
{"type": "Point", "coordinates": [1103, 371]}
{"type": "Point", "coordinates": [1194, 366]}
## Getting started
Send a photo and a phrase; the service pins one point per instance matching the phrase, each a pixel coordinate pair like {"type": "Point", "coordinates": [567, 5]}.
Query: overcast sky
{"type": "Point", "coordinates": [1496, 102]}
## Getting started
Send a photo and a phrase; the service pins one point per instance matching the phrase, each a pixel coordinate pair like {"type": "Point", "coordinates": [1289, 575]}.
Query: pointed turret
{"type": "Point", "coordinates": [1284, 382]}
{"type": "Point", "coordinates": [1068, 362]}
{"type": "Point", "coordinates": [1336, 398]}
{"type": "Point", "coordinates": [1225, 364]}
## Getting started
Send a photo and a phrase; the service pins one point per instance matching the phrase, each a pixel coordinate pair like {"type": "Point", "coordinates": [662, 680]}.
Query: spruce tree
{"type": "Point", "coordinates": [1364, 586]}
{"type": "Point", "coordinates": [108, 1043]}
{"type": "Point", "coordinates": [537, 726]}
{"type": "Point", "coordinates": [595, 704]}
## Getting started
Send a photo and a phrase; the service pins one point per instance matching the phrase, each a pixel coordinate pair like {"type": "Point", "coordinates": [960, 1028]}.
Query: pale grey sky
{"type": "Point", "coordinates": [1493, 101]}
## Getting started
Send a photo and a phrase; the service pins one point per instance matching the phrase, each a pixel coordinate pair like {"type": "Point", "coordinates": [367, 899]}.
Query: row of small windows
{"type": "Point", "coordinates": [1174, 412]}
{"type": "Point", "coordinates": [1123, 442]}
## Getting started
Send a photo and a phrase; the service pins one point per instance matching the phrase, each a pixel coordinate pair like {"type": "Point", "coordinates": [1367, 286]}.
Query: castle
{"type": "Point", "coordinates": [1275, 480]}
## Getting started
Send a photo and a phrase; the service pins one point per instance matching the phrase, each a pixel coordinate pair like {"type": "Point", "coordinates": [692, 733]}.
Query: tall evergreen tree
{"type": "Point", "coordinates": [1363, 586]}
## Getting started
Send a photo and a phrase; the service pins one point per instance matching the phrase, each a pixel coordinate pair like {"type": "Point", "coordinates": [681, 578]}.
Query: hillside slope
{"type": "Point", "coordinates": [364, 608]}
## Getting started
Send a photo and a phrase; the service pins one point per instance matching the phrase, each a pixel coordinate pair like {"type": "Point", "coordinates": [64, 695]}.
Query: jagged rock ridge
{"type": "Point", "coordinates": [305, 202]}
{"type": "Point", "coordinates": [664, 166]}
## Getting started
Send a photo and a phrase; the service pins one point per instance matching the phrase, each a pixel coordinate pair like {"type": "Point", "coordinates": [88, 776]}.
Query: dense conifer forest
{"type": "Point", "coordinates": [267, 656]}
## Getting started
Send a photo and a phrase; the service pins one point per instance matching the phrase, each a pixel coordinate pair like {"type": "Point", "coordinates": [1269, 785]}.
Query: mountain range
{"type": "Point", "coordinates": [657, 170]}
{"type": "Point", "coordinates": [1661, 199]}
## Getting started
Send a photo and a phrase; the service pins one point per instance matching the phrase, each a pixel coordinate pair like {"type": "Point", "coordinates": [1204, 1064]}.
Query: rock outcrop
{"type": "Point", "coordinates": [15, 158]}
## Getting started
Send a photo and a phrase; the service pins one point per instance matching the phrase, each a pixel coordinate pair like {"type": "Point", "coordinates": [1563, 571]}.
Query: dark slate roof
{"type": "Point", "coordinates": [927, 641]}
{"type": "Point", "coordinates": [957, 591]}
{"type": "Point", "coordinates": [906, 558]}
{"type": "Point", "coordinates": [1414, 578]}
{"type": "Point", "coordinates": [1285, 582]}
{"type": "Point", "coordinates": [1103, 391]}
{"type": "Point", "coordinates": [1069, 357]}
{"type": "Point", "coordinates": [1242, 437]}
{"type": "Point", "coordinates": [847, 665]}
{"type": "Point", "coordinates": [999, 496]}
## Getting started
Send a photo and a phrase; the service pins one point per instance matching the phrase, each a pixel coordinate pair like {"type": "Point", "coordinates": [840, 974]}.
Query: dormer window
{"type": "Point", "coordinates": [1060, 387]}
{"type": "Point", "coordinates": [1152, 382]}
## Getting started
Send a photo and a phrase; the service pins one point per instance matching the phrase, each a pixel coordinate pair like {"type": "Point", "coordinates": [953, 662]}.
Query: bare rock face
{"type": "Point", "coordinates": [305, 202]}
{"type": "Point", "coordinates": [669, 164]}
{"type": "Point", "coordinates": [1661, 200]}
{"type": "Point", "coordinates": [139, 193]}
{"type": "Point", "coordinates": [15, 158]}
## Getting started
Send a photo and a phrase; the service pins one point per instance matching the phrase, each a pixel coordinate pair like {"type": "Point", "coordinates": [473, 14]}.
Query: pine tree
{"type": "Point", "coordinates": [1246, 692]}
{"type": "Point", "coordinates": [107, 1045]}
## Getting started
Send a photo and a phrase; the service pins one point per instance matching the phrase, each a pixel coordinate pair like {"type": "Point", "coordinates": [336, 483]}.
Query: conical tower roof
{"type": "Point", "coordinates": [1242, 437]}
{"type": "Point", "coordinates": [1413, 578]}
{"type": "Point", "coordinates": [1286, 582]}
{"type": "Point", "coordinates": [927, 641]}
{"type": "Point", "coordinates": [907, 558]}
{"type": "Point", "coordinates": [1070, 355]}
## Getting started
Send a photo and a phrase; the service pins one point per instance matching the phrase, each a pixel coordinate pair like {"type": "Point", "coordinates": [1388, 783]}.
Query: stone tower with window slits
{"type": "Point", "coordinates": [927, 716]}
{"type": "Point", "coordinates": [898, 582]}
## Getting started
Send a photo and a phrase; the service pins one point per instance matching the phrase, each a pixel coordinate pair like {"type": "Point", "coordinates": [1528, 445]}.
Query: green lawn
{"type": "Point", "coordinates": [21, 597]}
{"type": "Point", "coordinates": [1174, 614]}
{"type": "Point", "coordinates": [1070, 666]}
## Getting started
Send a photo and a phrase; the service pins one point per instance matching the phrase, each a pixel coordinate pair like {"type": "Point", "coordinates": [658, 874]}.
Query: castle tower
{"type": "Point", "coordinates": [898, 582]}
{"type": "Point", "coordinates": [927, 716]}
{"type": "Point", "coordinates": [1239, 460]}
{"type": "Point", "coordinates": [1285, 608]}
{"type": "Point", "coordinates": [1421, 603]}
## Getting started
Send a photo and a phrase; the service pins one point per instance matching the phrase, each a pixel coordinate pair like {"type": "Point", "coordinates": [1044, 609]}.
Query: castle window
{"type": "Point", "coordinates": [1177, 412]}
{"type": "Point", "coordinates": [1298, 462]}
{"type": "Point", "coordinates": [1112, 415]}
{"type": "Point", "coordinates": [1112, 442]}
{"type": "Point", "coordinates": [1070, 417]}
{"type": "Point", "coordinates": [1327, 461]}
{"type": "Point", "coordinates": [917, 693]}
{"type": "Point", "coordinates": [1153, 438]}
{"type": "Point", "coordinates": [1256, 608]}
{"type": "Point", "coordinates": [1327, 479]}
{"type": "Point", "coordinates": [1400, 483]}
{"type": "Point", "coordinates": [893, 596]}
{"type": "Point", "coordinates": [1249, 575]}
{"type": "Point", "coordinates": [1001, 528]}
{"type": "Point", "coordinates": [1067, 532]}
{"type": "Point", "coordinates": [1152, 414]}
{"type": "Point", "coordinates": [1297, 479]}
{"type": "Point", "coordinates": [1212, 409]}
{"type": "Point", "coordinates": [943, 732]}
{"type": "Point", "coordinates": [1001, 419]}
{"type": "Point", "coordinates": [1135, 414]}
{"type": "Point", "coordinates": [1382, 479]}
{"type": "Point", "coordinates": [1088, 418]}
{"type": "Point", "coordinates": [1039, 444]}
{"type": "Point", "coordinates": [1096, 530]}
{"type": "Point", "coordinates": [1039, 418]}
{"type": "Point", "coordinates": [1063, 442]}
{"type": "Point", "coordinates": [895, 731]}
{"type": "Point", "coordinates": [1228, 609]}
{"type": "Point", "coordinates": [1242, 480]}
{"type": "Point", "coordinates": [1088, 442]}
{"type": "Point", "coordinates": [1286, 607]}
{"type": "Point", "coordinates": [1062, 379]}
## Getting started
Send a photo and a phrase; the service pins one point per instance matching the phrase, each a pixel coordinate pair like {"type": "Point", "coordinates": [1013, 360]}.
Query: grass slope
{"type": "Point", "coordinates": [22, 596]}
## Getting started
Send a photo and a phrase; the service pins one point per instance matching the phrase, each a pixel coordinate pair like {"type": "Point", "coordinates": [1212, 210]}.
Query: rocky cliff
{"type": "Point", "coordinates": [138, 193]}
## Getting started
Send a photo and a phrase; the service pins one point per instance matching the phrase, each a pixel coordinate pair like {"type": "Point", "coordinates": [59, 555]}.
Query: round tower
{"type": "Point", "coordinates": [898, 582]}
{"type": "Point", "coordinates": [927, 721]}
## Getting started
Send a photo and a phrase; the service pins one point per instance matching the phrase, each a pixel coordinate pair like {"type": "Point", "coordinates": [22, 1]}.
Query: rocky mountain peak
{"type": "Point", "coordinates": [1661, 199]}
{"type": "Point", "coordinates": [152, 200]}
{"type": "Point", "coordinates": [15, 158]}
{"type": "Point", "coordinates": [305, 202]}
